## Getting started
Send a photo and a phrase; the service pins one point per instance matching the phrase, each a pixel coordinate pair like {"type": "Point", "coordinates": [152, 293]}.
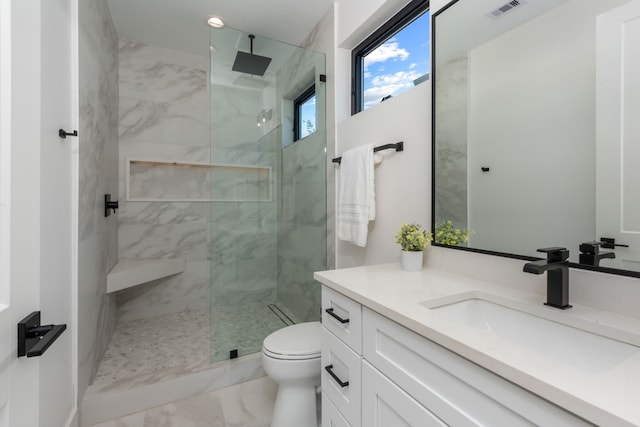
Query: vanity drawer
{"type": "Point", "coordinates": [331, 417]}
{"type": "Point", "coordinates": [384, 404]}
{"type": "Point", "coordinates": [341, 377]}
{"type": "Point", "coordinates": [343, 317]}
{"type": "Point", "coordinates": [457, 391]}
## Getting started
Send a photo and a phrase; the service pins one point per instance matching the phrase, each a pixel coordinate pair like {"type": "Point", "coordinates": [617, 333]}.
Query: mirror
{"type": "Point", "coordinates": [536, 129]}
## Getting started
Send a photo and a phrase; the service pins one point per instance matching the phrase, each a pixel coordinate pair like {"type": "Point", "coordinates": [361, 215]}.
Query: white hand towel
{"type": "Point", "coordinates": [356, 199]}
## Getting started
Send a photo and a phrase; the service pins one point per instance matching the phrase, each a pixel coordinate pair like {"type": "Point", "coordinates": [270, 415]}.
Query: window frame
{"type": "Point", "coordinates": [406, 16]}
{"type": "Point", "coordinates": [309, 93]}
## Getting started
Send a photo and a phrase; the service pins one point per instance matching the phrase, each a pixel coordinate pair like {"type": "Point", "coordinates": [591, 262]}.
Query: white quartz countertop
{"type": "Point", "coordinates": [604, 397]}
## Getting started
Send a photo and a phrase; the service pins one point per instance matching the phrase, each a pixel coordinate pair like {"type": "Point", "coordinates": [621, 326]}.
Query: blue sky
{"type": "Point", "coordinates": [308, 113]}
{"type": "Point", "coordinates": [392, 67]}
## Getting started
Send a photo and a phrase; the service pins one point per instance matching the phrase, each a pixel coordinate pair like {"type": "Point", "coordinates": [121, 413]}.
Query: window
{"type": "Point", "coordinates": [304, 114]}
{"type": "Point", "coordinates": [393, 59]}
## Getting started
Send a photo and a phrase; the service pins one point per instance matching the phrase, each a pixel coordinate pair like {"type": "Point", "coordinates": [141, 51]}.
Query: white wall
{"type": "Point", "coordinates": [356, 19]}
{"type": "Point", "coordinates": [403, 179]}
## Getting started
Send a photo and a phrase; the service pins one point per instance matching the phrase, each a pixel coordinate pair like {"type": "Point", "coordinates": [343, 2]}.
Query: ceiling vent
{"type": "Point", "coordinates": [506, 8]}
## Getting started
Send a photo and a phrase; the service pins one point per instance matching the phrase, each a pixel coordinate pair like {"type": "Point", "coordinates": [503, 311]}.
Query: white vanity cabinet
{"type": "Point", "coordinates": [341, 360]}
{"type": "Point", "coordinates": [458, 391]}
{"type": "Point", "coordinates": [384, 404]}
{"type": "Point", "coordinates": [401, 378]}
{"type": "Point", "coordinates": [331, 417]}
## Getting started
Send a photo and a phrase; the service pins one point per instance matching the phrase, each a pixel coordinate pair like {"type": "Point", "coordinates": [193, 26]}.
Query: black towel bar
{"type": "Point", "coordinates": [398, 146]}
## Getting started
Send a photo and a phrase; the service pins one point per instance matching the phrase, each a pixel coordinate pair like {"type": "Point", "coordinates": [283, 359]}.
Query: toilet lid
{"type": "Point", "coordinates": [296, 341]}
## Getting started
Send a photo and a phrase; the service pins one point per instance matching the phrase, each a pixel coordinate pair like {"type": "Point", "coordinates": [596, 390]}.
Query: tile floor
{"type": "Point", "coordinates": [172, 345]}
{"type": "Point", "coordinates": [248, 404]}
{"type": "Point", "coordinates": [244, 327]}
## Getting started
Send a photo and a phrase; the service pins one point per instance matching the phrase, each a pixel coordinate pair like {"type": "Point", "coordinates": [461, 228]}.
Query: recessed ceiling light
{"type": "Point", "coordinates": [215, 22]}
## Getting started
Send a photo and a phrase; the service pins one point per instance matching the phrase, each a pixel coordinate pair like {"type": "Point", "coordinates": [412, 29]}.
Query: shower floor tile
{"type": "Point", "coordinates": [160, 343]}
{"type": "Point", "coordinates": [172, 345]}
{"type": "Point", "coordinates": [244, 327]}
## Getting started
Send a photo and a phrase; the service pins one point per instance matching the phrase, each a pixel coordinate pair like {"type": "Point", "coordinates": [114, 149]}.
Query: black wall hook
{"type": "Point", "coordinates": [64, 134]}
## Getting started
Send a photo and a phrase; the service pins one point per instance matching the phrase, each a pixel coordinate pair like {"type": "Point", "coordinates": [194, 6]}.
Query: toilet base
{"type": "Point", "coordinates": [295, 407]}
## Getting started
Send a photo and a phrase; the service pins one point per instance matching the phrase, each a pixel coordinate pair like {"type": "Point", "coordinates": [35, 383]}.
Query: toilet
{"type": "Point", "coordinates": [291, 357]}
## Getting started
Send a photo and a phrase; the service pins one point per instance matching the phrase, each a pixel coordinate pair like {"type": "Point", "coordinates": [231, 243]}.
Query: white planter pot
{"type": "Point", "coordinates": [412, 261]}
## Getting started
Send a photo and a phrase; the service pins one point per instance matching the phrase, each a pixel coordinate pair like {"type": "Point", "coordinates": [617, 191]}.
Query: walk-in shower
{"type": "Point", "coordinates": [268, 217]}
{"type": "Point", "coordinates": [215, 175]}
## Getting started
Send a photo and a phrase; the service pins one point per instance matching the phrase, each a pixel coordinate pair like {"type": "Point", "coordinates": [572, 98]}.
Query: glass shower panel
{"type": "Point", "coordinates": [268, 209]}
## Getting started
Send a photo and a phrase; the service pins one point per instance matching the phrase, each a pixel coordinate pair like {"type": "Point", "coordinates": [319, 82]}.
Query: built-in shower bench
{"type": "Point", "coordinates": [132, 272]}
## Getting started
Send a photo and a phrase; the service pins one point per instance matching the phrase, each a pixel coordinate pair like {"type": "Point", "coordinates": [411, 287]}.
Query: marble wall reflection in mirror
{"type": "Point", "coordinates": [537, 125]}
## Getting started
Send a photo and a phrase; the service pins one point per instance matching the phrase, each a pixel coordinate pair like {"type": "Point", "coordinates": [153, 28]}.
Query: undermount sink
{"type": "Point", "coordinates": [537, 329]}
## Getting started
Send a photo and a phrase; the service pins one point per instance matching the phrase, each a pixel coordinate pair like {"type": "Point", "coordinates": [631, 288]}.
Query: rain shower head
{"type": "Point", "coordinates": [250, 63]}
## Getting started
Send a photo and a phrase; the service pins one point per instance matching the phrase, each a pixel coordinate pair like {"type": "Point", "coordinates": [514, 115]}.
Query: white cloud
{"type": "Point", "coordinates": [388, 50]}
{"type": "Point", "coordinates": [388, 84]}
{"type": "Point", "coordinates": [412, 66]}
{"type": "Point", "coordinates": [401, 77]}
{"type": "Point", "coordinates": [374, 95]}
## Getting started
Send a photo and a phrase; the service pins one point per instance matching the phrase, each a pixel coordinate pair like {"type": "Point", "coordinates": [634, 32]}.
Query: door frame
{"type": "Point", "coordinates": [5, 228]}
{"type": "Point", "coordinates": [22, 138]}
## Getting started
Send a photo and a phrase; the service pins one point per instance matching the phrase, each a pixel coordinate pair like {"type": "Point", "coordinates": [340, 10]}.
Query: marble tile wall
{"type": "Point", "coordinates": [321, 39]}
{"type": "Point", "coordinates": [243, 247]}
{"type": "Point", "coordinates": [451, 151]}
{"type": "Point", "coordinates": [98, 150]}
{"type": "Point", "coordinates": [163, 115]}
{"type": "Point", "coordinates": [302, 231]}
{"type": "Point", "coordinates": [302, 226]}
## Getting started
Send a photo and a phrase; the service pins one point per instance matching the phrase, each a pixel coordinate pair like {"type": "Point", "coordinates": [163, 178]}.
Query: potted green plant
{"type": "Point", "coordinates": [447, 234]}
{"type": "Point", "coordinates": [413, 241]}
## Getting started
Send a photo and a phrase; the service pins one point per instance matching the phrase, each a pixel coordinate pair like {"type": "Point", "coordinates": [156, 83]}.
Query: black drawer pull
{"type": "Point", "coordinates": [329, 368]}
{"type": "Point", "coordinates": [335, 316]}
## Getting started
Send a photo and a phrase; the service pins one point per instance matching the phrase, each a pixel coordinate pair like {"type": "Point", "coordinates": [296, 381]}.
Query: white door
{"type": "Point", "coordinates": [618, 132]}
{"type": "Point", "coordinates": [37, 214]}
{"type": "Point", "coordinates": [5, 314]}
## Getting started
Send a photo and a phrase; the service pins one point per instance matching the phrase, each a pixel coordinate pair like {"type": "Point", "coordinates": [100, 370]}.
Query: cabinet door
{"type": "Point", "coordinates": [458, 391]}
{"type": "Point", "coordinates": [342, 381]}
{"type": "Point", "coordinates": [343, 317]}
{"type": "Point", "coordinates": [331, 417]}
{"type": "Point", "coordinates": [384, 404]}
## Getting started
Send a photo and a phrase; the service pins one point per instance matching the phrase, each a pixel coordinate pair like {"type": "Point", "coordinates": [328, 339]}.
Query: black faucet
{"type": "Point", "coordinates": [557, 270]}
{"type": "Point", "coordinates": [590, 253]}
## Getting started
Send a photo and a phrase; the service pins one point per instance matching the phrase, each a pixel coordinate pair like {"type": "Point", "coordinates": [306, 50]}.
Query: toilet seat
{"type": "Point", "coordinates": [296, 342]}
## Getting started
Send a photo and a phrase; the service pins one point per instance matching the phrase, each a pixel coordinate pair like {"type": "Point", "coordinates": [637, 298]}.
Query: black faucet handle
{"type": "Point", "coordinates": [592, 248]}
{"type": "Point", "coordinates": [555, 253]}
{"type": "Point", "coordinates": [610, 243]}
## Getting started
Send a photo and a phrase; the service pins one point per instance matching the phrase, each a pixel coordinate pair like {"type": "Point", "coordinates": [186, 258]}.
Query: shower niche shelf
{"type": "Point", "coordinates": [132, 272]}
{"type": "Point", "coordinates": [178, 181]}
